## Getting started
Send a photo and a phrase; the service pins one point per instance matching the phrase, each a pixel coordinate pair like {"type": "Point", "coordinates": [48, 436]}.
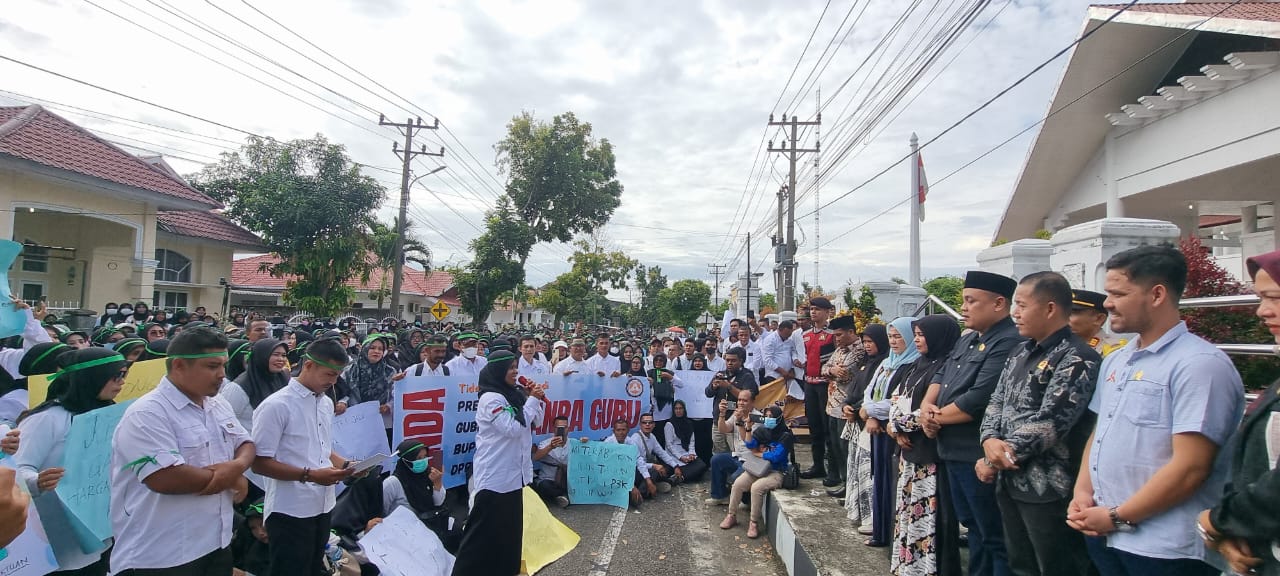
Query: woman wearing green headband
{"type": "Point", "coordinates": [94, 377]}
{"type": "Point", "coordinates": [39, 359]}
{"type": "Point", "coordinates": [131, 348]}
{"type": "Point", "coordinates": [419, 486]}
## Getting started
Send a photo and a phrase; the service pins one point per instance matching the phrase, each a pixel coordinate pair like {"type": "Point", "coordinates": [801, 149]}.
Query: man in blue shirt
{"type": "Point", "coordinates": [1166, 404]}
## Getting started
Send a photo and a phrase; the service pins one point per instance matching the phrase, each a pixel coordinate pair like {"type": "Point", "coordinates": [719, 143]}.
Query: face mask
{"type": "Point", "coordinates": [613, 350]}
{"type": "Point", "coordinates": [418, 466]}
{"type": "Point", "coordinates": [109, 345]}
{"type": "Point", "coordinates": [111, 310]}
{"type": "Point", "coordinates": [469, 353]}
{"type": "Point", "coordinates": [126, 311]}
{"type": "Point", "coordinates": [771, 423]}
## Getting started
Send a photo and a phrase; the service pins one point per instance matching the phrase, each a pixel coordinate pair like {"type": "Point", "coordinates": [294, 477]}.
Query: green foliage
{"type": "Point", "coordinates": [562, 179]}
{"type": "Point", "coordinates": [579, 294]}
{"type": "Point", "coordinates": [382, 238]}
{"type": "Point", "coordinates": [1042, 234]}
{"type": "Point", "coordinates": [768, 303]}
{"type": "Point", "coordinates": [650, 282]}
{"type": "Point", "coordinates": [684, 301]}
{"type": "Point", "coordinates": [497, 267]}
{"type": "Point", "coordinates": [312, 208]}
{"type": "Point", "coordinates": [948, 289]}
{"type": "Point", "coordinates": [898, 280]}
{"type": "Point", "coordinates": [1236, 325]}
{"type": "Point", "coordinates": [998, 242]}
{"type": "Point", "coordinates": [718, 310]}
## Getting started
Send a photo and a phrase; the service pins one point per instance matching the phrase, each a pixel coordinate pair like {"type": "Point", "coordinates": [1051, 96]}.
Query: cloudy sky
{"type": "Point", "coordinates": [682, 88]}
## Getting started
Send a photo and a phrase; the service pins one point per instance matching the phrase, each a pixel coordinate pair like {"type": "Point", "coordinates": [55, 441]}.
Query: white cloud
{"type": "Point", "coordinates": [682, 89]}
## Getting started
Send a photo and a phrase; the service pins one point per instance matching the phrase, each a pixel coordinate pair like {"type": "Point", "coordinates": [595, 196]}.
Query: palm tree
{"type": "Point", "coordinates": [382, 238]}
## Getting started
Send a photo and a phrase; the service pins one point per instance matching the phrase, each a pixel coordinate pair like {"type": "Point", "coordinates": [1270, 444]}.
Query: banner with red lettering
{"type": "Point", "coordinates": [439, 411]}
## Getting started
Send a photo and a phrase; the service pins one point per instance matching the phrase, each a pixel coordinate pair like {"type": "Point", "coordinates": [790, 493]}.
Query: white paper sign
{"type": "Point", "coordinates": [696, 403]}
{"type": "Point", "coordinates": [403, 546]}
{"type": "Point", "coordinates": [358, 433]}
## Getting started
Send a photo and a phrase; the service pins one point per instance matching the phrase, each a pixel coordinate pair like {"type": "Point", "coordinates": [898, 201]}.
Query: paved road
{"type": "Point", "coordinates": [673, 534]}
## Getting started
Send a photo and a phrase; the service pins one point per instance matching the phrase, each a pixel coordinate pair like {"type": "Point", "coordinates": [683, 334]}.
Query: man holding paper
{"type": "Point", "coordinates": [293, 432]}
{"type": "Point", "coordinates": [177, 466]}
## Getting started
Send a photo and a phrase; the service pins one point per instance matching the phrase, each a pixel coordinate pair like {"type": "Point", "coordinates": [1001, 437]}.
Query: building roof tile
{"type": "Point", "coordinates": [38, 135]}
{"type": "Point", "coordinates": [1257, 11]}
{"type": "Point", "coordinates": [207, 226]}
{"type": "Point", "coordinates": [246, 273]}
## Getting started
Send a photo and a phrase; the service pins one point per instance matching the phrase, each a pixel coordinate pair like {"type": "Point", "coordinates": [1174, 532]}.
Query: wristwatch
{"type": "Point", "coordinates": [1204, 534]}
{"type": "Point", "coordinates": [1120, 524]}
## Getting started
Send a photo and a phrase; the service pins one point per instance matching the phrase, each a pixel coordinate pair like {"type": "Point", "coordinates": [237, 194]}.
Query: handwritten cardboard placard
{"type": "Point", "coordinates": [143, 377]}
{"type": "Point", "coordinates": [12, 321]}
{"type": "Point", "coordinates": [403, 546]}
{"type": "Point", "coordinates": [85, 488]}
{"type": "Point", "coordinates": [358, 432]}
{"type": "Point", "coordinates": [601, 473]}
{"type": "Point", "coordinates": [546, 539]}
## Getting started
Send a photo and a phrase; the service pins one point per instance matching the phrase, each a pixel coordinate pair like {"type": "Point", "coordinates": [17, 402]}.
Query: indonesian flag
{"type": "Point", "coordinates": [923, 191]}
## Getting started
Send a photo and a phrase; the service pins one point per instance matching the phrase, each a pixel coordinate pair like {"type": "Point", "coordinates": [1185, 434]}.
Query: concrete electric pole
{"type": "Point", "coordinates": [409, 128]}
{"type": "Point", "coordinates": [716, 270]}
{"type": "Point", "coordinates": [787, 258]}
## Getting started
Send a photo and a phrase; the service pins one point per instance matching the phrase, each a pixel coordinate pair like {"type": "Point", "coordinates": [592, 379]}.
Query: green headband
{"type": "Point", "coordinates": [372, 337]}
{"type": "Point", "coordinates": [59, 346]}
{"type": "Point", "coordinates": [241, 349]}
{"type": "Point", "coordinates": [112, 359]}
{"type": "Point", "coordinates": [323, 363]}
{"type": "Point", "coordinates": [222, 354]}
{"type": "Point", "coordinates": [411, 449]}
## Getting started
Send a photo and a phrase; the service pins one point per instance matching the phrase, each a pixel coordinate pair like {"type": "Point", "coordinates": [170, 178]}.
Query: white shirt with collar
{"type": "Point", "coordinates": [551, 463]}
{"type": "Point", "coordinates": [681, 362]}
{"type": "Point", "coordinates": [579, 366]}
{"type": "Point", "coordinates": [33, 333]}
{"type": "Point", "coordinates": [503, 461]}
{"type": "Point", "coordinates": [607, 364]}
{"type": "Point", "coordinates": [651, 451]}
{"type": "Point", "coordinates": [295, 427]}
{"type": "Point", "coordinates": [424, 369]}
{"type": "Point", "coordinates": [161, 429]}
{"type": "Point", "coordinates": [716, 364]}
{"type": "Point", "coordinates": [460, 366]}
{"type": "Point", "coordinates": [778, 353]}
{"type": "Point", "coordinates": [537, 367]}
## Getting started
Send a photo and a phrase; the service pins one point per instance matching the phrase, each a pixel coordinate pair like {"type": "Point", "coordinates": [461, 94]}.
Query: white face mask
{"type": "Point", "coordinates": [613, 350]}
{"type": "Point", "coordinates": [111, 310]}
{"type": "Point", "coordinates": [470, 353]}
{"type": "Point", "coordinates": [126, 311]}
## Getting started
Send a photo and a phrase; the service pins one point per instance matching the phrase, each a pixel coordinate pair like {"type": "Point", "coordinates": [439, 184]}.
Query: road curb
{"type": "Point", "coordinates": [782, 536]}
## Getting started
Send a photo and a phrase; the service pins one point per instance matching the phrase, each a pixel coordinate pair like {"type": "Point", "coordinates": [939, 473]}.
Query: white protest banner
{"type": "Point", "coordinates": [358, 432]}
{"type": "Point", "coordinates": [696, 403]}
{"type": "Point", "coordinates": [403, 546]}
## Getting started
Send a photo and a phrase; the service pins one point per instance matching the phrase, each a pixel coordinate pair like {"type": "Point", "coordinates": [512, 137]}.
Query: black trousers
{"type": "Point", "coordinates": [884, 487]}
{"type": "Point", "coordinates": [549, 489]}
{"type": "Point", "coordinates": [693, 471]}
{"type": "Point", "coordinates": [1038, 540]}
{"type": "Point", "coordinates": [216, 563]}
{"type": "Point", "coordinates": [660, 431]}
{"type": "Point", "coordinates": [493, 536]}
{"type": "Point", "coordinates": [947, 548]}
{"type": "Point", "coordinates": [837, 450]}
{"type": "Point", "coordinates": [297, 544]}
{"type": "Point", "coordinates": [815, 411]}
{"type": "Point", "coordinates": [702, 439]}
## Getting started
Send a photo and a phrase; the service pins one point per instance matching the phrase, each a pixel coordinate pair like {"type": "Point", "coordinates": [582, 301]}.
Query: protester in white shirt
{"type": "Point", "coordinates": [38, 360]}
{"type": "Point", "coordinates": [431, 355]}
{"type": "Point", "coordinates": [602, 363]}
{"type": "Point", "coordinates": [177, 466]}
{"type": "Point", "coordinates": [657, 461]}
{"type": "Point", "coordinates": [576, 363]}
{"type": "Point", "coordinates": [755, 360]}
{"type": "Point", "coordinates": [90, 379]}
{"type": "Point", "coordinates": [784, 357]}
{"type": "Point", "coordinates": [681, 441]}
{"type": "Point", "coordinates": [685, 361]}
{"type": "Point", "coordinates": [503, 465]}
{"type": "Point", "coordinates": [293, 432]}
{"type": "Point", "coordinates": [469, 362]}
{"type": "Point", "coordinates": [552, 455]}
{"type": "Point", "coordinates": [715, 362]}
{"type": "Point", "coordinates": [33, 333]}
{"type": "Point", "coordinates": [529, 363]}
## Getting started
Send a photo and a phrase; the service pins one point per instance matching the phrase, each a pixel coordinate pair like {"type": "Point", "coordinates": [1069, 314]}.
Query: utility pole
{"type": "Point", "coordinates": [786, 292]}
{"type": "Point", "coordinates": [717, 270]}
{"type": "Point", "coordinates": [817, 202]}
{"type": "Point", "coordinates": [409, 128]}
{"type": "Point", "coordinates": [748, 272]}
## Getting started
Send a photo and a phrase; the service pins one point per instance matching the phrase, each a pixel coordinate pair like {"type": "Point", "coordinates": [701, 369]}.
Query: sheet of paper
{"type": "Point", "coordinates": [403, 546]}
{"type": "Point", "coordinates": [369, 462]}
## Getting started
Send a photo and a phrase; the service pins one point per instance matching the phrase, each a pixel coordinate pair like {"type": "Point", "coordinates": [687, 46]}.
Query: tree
{"type": "Point", "coordinates": [310, 205]}
{"type": "Point", "coordinates": [581, 291]}
{"type": "Point", "coordinates": [1235, 325]}
{"type": "Point", "coordinates": [768, 303]}
{"type": "Point", "coordinates": [863, 306]}
{"type": "Point", "coordinates": [684, 301]}
{"type": "Point", "coordinates": [947, 289]}
{"type": "Point", "coordinates": [383, 239]}
{"type": "Point", "coordinates": [650, 282]}
{"type": "Point", "coordinates": [497, 266]}
{"type": "Point", "coordinates": [560, 177]}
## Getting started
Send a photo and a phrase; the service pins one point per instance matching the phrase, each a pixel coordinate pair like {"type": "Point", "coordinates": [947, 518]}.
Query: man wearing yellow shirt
{"type": "Point", "coordinates": [1088, 316]}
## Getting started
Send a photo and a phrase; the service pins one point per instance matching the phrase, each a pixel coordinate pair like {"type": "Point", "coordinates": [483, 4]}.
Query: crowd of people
{"type": "Point", "coordinates": [1061, 448]}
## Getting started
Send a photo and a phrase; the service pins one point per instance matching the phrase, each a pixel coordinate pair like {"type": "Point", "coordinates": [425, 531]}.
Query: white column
{"type": "Point", "coordinates": [1249, 219]}
{"type": "Point", "coordinates": [1115, 208]}
{"type": "Point", "coordinates": [913, 276]}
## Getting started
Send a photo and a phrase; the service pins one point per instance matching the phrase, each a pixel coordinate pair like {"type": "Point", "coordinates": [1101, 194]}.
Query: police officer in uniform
{"type": "Point", "coordinates": [1088, 316]}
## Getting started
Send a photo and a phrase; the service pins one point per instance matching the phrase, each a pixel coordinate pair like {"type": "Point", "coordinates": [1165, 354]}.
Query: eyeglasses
{"type": "Point", "coordinates": [121, 375]}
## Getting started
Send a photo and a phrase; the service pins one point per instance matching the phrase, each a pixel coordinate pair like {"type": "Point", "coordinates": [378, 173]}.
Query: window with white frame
{"type": "Point", "coordinates": [35, 258]}
{"type": "Point", "coordinates": [172, 267]}
{"type": "Point", "coordinates": [169, 300]}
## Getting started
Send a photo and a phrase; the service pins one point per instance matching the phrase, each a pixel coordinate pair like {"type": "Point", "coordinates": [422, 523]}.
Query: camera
{"type": "Point", "coordinates": [562, 431]}
{"type": "Point", "coordinates": [757, 418]}
{"type": "Point", "coordinates": [731, 406]}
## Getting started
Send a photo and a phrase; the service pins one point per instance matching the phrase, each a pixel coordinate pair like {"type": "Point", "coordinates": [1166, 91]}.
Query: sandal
{"type": "Point", "coordinates": [753, 531]}
{"type": "Point", "coordinates": [729, 522]}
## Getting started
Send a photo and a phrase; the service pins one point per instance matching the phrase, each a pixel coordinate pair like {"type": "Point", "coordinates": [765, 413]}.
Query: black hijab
{"type": "Point", "coordinates": [300, 345]}
{"type": "Point", "coordinates": [83, 384]}
{"type": "Point", "coordinates": [39, 359]}
{"type": "Point", "coordinates": [417, 487]}
{"type": "Point", "coordinates": [879, 334]}
{"type": "Point", "coordinates": [682, 425]}
{"type": "Point", "coordinates": [237, 354]}
{"type": "Point", "coordinates": [406, 353]}
{"type": "Point", "coordinates": [155, 349]}
{"type": "Point", "coordinates": [664, 392]}
{"type": "Point", "coordinates": [493, 378]}
{"type": "Point", "coordinates": [258, 381]}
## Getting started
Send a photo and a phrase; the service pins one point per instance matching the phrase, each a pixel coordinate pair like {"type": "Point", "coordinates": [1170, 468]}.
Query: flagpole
{"type": "Point", "coordinates": [913, 277]}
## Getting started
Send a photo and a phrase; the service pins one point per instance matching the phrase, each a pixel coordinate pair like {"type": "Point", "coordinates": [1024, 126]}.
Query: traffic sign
{"type": "Point", "coordinates": [440, 310]}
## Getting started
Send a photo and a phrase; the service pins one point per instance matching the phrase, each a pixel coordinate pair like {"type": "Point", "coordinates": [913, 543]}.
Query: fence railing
{"type": "Point", "coordinates": [932, 304]}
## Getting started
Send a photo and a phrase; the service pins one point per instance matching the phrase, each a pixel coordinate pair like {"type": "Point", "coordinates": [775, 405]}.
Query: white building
{"type": "Point", "coordinates": [1168, 112]}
